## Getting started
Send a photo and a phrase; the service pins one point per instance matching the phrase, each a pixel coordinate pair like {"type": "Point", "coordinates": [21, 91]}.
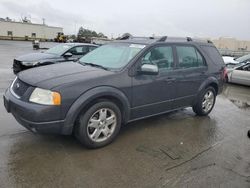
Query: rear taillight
{"type": "Point", "coordinates": [224, 74]}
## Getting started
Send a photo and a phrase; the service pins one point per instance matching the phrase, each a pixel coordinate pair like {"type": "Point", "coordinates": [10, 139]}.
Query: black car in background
{"type": "Point", "coordinates": [57, 54]}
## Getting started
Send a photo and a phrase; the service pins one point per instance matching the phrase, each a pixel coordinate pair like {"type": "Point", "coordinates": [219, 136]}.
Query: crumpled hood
{"type": "Point", "coordinates": [33, 57]}
{"type": "Point", "coordinates": [55, 75]}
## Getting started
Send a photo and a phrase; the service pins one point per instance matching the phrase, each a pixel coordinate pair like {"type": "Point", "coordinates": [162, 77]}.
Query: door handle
{"type": "Point", "coordinates": [170, 79]}
{"type": "Point", "coordinates": [203, 72]}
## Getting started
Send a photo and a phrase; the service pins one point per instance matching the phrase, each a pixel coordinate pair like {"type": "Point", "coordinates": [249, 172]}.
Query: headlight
{"type": "Point", "coordinates": [46, 97]}
{"type": "Point", "coordinates": [29, 63]}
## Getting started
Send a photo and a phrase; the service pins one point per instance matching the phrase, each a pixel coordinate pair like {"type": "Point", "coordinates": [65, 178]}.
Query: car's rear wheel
{"type": "Point", "coordinates": [205, 102]}
{"type": "Point", "coordinates": [99, 125]}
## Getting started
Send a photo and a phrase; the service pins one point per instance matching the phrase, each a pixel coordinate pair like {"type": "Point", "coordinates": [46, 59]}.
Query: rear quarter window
{"type": "Point", "coordinates": [213, 54]}
{"type": "Point", "coordinates": [189, 57]}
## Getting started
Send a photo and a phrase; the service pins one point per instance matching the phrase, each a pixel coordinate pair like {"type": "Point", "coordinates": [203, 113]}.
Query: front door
{"type": "Point", "coordinates": [152, 94]}
{"type": "Point", "coordinates": [77, 52]}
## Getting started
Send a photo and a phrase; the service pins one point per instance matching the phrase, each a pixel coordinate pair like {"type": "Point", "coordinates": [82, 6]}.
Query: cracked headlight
{"type": "Point", "coordinates": [46, 97]}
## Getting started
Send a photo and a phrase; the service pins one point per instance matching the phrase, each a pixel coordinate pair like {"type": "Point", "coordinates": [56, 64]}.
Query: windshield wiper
{"type": "Point", "coordinates": [94, 65]}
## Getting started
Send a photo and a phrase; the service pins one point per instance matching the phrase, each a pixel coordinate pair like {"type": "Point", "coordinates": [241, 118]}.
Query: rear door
{"type": "Point", "coordinates": [192, 71]}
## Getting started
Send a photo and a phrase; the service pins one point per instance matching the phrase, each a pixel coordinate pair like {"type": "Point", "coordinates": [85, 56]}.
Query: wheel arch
{"type": "Point", "coordinates": [211, 81]}
{"type": "Point", "coordinates": [92, 96]}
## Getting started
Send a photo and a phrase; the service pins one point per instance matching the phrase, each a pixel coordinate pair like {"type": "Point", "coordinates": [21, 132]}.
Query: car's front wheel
{"type": "Point", "coordinates": [205, 102]}
{"type": "Point", "coordinates": [99, 125]}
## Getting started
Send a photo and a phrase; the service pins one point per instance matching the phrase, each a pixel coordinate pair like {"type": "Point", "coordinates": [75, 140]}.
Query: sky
{"type": "Point", "coordinates": [194, 18]}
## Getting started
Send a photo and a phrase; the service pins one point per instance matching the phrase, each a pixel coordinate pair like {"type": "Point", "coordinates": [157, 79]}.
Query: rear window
{"type": "Point", "coordinates": [189, 57]}
{"type": "Point", "coordinates": [213, 54]}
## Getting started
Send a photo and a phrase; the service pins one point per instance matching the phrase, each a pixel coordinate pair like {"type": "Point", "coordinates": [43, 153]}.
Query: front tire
{"type": "Point", "coordinates": [99, 125]}
{"type": "Point", "coordinates": [205, 102]}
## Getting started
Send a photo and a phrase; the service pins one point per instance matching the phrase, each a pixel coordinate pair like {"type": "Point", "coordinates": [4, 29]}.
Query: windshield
{"type": "Point", "coordinates": [243, 58]}
{"type": "Point", "coordinates": [58, 50]}
{"type": "Point", "coordinates": [112, 56]}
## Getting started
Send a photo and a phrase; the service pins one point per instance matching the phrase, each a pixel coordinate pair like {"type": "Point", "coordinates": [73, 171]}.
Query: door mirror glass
{"type": "Point", "coordinates": [149, 69]}
{"type": "Point", "coordinates": [67, 55]}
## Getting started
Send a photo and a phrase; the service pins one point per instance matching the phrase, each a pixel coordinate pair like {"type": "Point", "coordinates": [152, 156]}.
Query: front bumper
{"type": "Point", "coordinates": [35, 117]}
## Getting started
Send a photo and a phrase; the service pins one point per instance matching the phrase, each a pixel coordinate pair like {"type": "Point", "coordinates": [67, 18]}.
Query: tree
{"type": "Point", "coordinates": [86, 34]}
{"type": "Point", "coordinates": [101, 35]}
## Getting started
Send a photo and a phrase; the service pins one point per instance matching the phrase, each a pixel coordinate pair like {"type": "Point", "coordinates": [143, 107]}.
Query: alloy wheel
{"type": "Point", "coordinates": [101, 125]}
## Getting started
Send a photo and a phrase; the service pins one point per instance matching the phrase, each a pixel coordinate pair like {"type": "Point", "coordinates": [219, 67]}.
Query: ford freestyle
{"type": "Point", "coordinates": [117, 83]}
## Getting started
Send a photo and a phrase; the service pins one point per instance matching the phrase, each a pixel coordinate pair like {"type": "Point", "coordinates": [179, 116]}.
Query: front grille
{"type": "Point", "coordinates": [19, 87]}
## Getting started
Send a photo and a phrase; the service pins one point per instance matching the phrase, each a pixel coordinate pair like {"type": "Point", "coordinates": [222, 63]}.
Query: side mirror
{"type": "Point", "coordinates": [67, 55]}
{"type": "Point", "coordinates": [149, 69]}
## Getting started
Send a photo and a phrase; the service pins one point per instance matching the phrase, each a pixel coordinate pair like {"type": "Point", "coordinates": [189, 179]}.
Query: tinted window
{"type": "Point", "coordinates": [59, 49]}
{"type": "Point", "coordinates": [243, 58]}
{"type": "Point", "coordinates": [244, 67]}
{"type": "Point", "coordinates": [189, 57]}
{"type": "Point", "coordinates": [79, 50]}
{"type": "Point", "coordinates": [214, 54]}
{"type": "Point", "coordinates": [92, 48]}
{"type": "Point", "coordinates": [160, 56]}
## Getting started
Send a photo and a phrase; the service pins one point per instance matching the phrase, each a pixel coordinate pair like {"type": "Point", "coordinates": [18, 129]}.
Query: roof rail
{"type": "Point", "coordinates": [125, 37]}
{"type": "Point", "coordinates": [209, 41]}
{"type": "Point", "coordinates": [141, 38]}
{"type": "Point", "coordinates": [166, 38]}
{"type": "Point", "coordinates": [162, 39]}
{"type": "Point", "coordinates": [134, 37]}
{"type": "Point", "coordinates": [189, 39]}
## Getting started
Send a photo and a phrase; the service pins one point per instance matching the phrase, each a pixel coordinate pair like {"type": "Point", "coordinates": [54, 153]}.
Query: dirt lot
{"type": "Point", "coordinates": [174, 150]}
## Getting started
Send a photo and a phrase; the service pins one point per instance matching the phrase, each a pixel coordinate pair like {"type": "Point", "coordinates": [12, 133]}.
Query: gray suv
{"type": "Point", "coordinates": [120, 82]}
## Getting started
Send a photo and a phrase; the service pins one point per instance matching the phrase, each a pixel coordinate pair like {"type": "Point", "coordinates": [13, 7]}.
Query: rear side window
{"type": "Point", "coordinates": [79, 50]}
{"type": "Point", "coordinates": [214, 54]}
{"type": "Point", "coordinates": [92, 48]}
{"type": "Point", "coordinates": [189, 57]}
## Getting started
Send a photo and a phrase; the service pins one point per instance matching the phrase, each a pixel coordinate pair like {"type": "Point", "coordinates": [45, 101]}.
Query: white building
{"type": "Point", "coordinates": [231, 44]}
{"type": "Point", "coordinates": [27, 31]}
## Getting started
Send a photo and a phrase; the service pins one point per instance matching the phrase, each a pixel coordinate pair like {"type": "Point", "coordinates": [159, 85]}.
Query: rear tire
{"type": "Point", "coordinates": [99, 125]}
{"type": "Point", "coordinates": [205, 102]}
